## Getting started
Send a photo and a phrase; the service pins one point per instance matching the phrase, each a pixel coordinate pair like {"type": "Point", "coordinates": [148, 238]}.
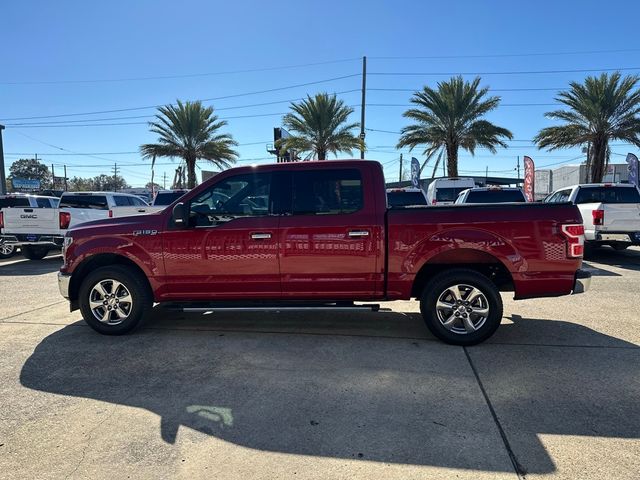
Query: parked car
{"type": "Point", "coordinates": [404, 197]}
{"type": "Point", "coordinates": [8, 249]}
{"type": "Point", "coordinates": [444, 191]}
{"type": "Point", "coordinates": [163, 199]}
{"type": "Point", "coordinates": [610, 211]}
{"type": "Point", "coordinates": [324, 238]}
{"type": "Point", "coordinates": [492, 194]}
{"type": "Point", "coordinates": [167, 197]}
{"type": "Point", "coordinates": [37, 232]}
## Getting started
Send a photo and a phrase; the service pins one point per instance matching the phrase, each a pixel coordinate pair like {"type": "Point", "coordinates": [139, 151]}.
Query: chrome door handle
{"type": "Point", "coordinates": [260, 236]}
{"type": "Point", "coordinates": [358, 233]}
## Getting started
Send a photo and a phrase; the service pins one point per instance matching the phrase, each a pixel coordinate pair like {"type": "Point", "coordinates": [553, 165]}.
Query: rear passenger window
{"type": "Point", "coordinates": [43, 203]}
{"type": "Point", "coordinates": [327, 192]}
{"type": "Point", "coordinates": [94, 202]}
{"type": "Point", "coordinates": [137, 202]}
{"type": "Point", "coordinates": [121, 201]}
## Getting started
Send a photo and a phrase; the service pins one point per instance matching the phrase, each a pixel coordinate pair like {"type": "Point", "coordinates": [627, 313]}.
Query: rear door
{"type": "Point", "coordinates": [230, 248]}
{"type": "Point", "coordinates": [331, 243]}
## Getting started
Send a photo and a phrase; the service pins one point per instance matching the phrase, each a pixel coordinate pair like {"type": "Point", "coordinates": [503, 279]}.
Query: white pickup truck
{"type": "Point", "coordinates": [38, 230]}
{"type": "Point", "coordinates": [610, 212]}
{"type": "Point", "coordinates": [160, 202]}
{"type": "Point", "coordinates": [18, 200]}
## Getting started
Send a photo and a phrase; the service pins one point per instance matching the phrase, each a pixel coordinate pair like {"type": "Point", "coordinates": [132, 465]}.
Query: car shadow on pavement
{"type": "Point", "coordinates": [355, 395]}
{"type": "Point", "coordinates": [30, 267]}
{"type": "Point", "coordinates": [627, 259]}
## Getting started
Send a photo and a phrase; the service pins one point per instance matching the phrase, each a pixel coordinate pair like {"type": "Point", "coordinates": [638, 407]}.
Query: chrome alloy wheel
{"type": "Point", "coordinates": [6, 248]}
{"type": "Point", "coordinates": [110, 301]}
{"type": "Point", "coordinates": [462, 309]}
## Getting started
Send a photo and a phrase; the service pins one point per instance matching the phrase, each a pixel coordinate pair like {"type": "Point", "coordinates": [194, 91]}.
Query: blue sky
{"type": "Point", "coordinates": [71, 57]}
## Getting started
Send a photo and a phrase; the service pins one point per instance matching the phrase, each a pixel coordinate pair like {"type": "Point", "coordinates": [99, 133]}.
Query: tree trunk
{"type": "Point", "coordinates": [191, 172]}
{"type": "Point", "coordinates": [452, 159]}
{"type": "Point", "coordinates": [322, 154]}
{"type": "Point", "coordinates": [598, 159]}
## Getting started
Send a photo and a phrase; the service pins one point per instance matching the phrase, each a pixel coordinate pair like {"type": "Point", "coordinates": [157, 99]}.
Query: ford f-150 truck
{"type": "Point", "coordinates": [320, 235]}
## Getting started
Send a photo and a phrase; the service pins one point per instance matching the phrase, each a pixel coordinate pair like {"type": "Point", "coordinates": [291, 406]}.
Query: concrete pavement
{"type": "Point", "coordinates": [555, 393]}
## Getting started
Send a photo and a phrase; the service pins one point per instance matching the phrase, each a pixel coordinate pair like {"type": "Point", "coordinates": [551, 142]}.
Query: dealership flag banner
{"type": "Point", "coordinates": [415, 172]}
{"type": "Point", "coordinates": [632, 166]}
{"type": "Point", "coordinates": [529, 179]}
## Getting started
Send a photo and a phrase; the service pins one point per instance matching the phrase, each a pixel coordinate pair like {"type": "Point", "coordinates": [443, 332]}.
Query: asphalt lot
{"type": "Point", "coordinates": [554, 394]}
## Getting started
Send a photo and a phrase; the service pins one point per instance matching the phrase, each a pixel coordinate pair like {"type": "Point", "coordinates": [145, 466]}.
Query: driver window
{"type": "Point", "coordinates": [237, 196]}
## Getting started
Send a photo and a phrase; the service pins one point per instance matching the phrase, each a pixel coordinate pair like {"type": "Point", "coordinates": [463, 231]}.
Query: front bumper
{"type": "Point", "coordinates": [582, 282]}
{"type": "Point", "coordinates": [63, 284]}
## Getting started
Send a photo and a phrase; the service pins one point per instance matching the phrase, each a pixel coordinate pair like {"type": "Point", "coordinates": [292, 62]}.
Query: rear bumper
{"type": "Point", "coordinates": [615, 236]}
{"type": "Point", "coordinates": [26, 239]}
{"type": "Point", "coordinates": [63, 284]}
{"type": "Point", "coordinates": [582, 282]}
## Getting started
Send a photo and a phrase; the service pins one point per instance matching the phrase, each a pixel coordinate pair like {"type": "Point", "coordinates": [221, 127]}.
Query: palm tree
{"type": "Point", "coordinates": [190, 131]}
{"type": "Point", "coordinates": [319, 126]}
{"type": "Point", "coordinates": [449, 118]}
{"type": "Point", "coordinates": [600, 109]}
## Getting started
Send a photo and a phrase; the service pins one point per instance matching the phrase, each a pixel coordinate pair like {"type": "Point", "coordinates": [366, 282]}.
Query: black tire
{"type": "Point", "coordinates": [438, 287]}
{"type": "Point", "coordinates": [35, 252]}
{"type": "Point", "coordinates": [7, 250]}
{"type": "Point", "coordinates": [136, 285]}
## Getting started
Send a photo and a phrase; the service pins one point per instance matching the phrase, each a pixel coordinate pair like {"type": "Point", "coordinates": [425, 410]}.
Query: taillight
{"type": "Point", "coordinates": [598, 217]}
{"type": "Point", "coordinates": [65, 220]}
{"type": "Point", "coordinates": [575, 239]}
{"type": "Point", "coordinates": [110, 213]}
{"type": "Point", "coordinates": [1, 219]}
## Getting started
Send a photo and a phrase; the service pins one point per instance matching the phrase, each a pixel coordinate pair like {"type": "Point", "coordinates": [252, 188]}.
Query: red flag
{"type": "Point", "coordinates": [529, 179]}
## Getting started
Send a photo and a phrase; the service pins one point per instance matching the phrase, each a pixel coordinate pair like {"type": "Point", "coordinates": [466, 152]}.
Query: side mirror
{"type": "Point", "coordinates": [180, 214]}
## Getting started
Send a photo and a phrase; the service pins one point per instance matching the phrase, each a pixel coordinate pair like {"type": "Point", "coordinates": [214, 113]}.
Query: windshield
{"type": "Point", "coordinates": [402, 199]}
{"type": "Point", "coordinates": [448, 194]}
{"type": "Point", "coordinates": [608, 195]}
{"type": "Point", "coordinates": [495, 196]}
{"type": "Point", "coordinates": [167, 198]}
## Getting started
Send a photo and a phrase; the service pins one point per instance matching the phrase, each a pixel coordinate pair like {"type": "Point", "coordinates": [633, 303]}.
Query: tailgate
{"type": "Point", "coordinates": [621, 217]}
{"type": "Point", "coordinates": [43, 221]}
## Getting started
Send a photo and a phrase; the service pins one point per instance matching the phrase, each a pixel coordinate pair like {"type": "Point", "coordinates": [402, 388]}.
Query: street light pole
{"type": "Point", "coordinates": [364, 104]}
{"type": "Point", "coordinates": [3, 180]}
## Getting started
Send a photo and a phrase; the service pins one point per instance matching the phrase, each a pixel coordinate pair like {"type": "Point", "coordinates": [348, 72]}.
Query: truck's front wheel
{"type": "Point", "coordinates": [114, 300]}
{"type": "Point", "coordinates": [461, 307]}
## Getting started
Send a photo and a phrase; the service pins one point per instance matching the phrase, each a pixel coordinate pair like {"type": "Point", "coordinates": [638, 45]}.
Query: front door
{"type": "Point", "coordinates": [331, 245]}
{"type": "Point", "coordinates": [229, 249]}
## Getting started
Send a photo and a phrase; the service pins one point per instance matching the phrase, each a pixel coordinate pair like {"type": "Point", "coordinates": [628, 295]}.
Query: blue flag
{"type": "Point", "coordinates": [632, 162]}
{"type": "Point", "coordinates": [415, 172]}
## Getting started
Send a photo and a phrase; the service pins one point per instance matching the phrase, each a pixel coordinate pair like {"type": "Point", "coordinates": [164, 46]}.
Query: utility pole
{"type": "Point", "coordinates": [518, 180]}
{"type": "Point", "coordinates": [53, 175]}
{"type": "Point", "coordinates": [115, 177]}
{"type": "Point", "coordinates": [65, 178]}
{"type": "Point", "coordinates": [164, 181]}
{"type": "Point", "coordinates": [364, 104]}
{"type": "Point", "coordinates": [3, 180]}
{"type": "Point", "coordinates": [486, 175]}
{"type": "Point", "coordinates": [400, 175]}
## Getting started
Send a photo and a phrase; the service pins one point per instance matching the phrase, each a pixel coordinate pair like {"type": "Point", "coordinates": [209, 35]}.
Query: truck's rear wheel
{"type": "Point", "coordinates": [114, 300]}
{"type": "Point", "coordinates": [461, 307]}
{"type": "Point", "coordinates": [34, 252]}
{"type": "Point", "coordinates": [7, 250]}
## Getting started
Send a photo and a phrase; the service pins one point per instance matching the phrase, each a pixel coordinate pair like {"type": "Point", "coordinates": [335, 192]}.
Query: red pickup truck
{"type": "Point", "coordinates": [319, 235]}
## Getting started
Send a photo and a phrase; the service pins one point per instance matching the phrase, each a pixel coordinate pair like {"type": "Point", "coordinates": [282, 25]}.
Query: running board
{"type": "Point", "coordinates": [279, 308]}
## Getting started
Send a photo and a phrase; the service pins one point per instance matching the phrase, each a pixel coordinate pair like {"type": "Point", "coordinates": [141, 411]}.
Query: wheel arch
{"type": "Point", "coordinates": [466, 258]}
{"type": "Point", "coordinates": [93, 262]}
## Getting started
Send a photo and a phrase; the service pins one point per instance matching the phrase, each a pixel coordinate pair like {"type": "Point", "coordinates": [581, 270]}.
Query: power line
{"type": "Point", "coordinates": [167, 77]}
{"type": "Point", "coordinates": [501, 105]}
{"type": "Point", "coordinates": [492, 89]}
{"type": "Point", "coordinates": [505, 55]}
{"type": "Point", "coordinates": [224, 97]}
{"type": "Point", "coordinates": [530, 72]}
